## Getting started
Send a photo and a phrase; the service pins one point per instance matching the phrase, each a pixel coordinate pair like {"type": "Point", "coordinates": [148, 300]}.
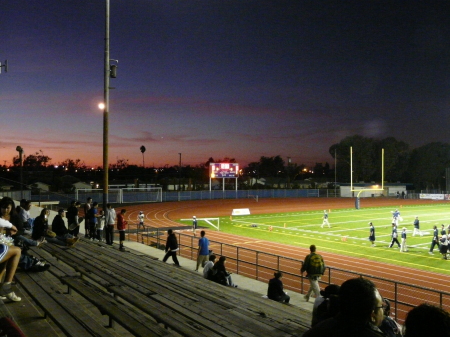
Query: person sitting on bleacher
{"type": "Point", "coordinates": [40, 229]}
{"type": "Point", "coordinates": [221, 275]}
{"type": "Point", "coordinates": [207, 269]}
{"type": "Point", "coordinates": [60, 229]}
{"type": "Point", "coordinates": [9, 259]}
{"type": "Point", "coordinates": [275, 291]}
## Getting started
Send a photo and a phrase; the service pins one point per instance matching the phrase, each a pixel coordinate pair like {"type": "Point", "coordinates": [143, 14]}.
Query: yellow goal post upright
{"type": "Point", "coordinates": [357, 201]}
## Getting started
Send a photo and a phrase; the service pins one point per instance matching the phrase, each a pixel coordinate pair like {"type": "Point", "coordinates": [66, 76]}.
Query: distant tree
{"type": "Point", "coordinates": [72, 165]}
{"type": "Point", "coordinates": [396, 157]}
{"type": "Point", "coordinates": [427, 165]}
{"type": "Point", "coordinates": [38, 161]}
{"type": "Point", "coordinates": [363, 158]}
{"type": "Point", "coordinates": [120, 164]}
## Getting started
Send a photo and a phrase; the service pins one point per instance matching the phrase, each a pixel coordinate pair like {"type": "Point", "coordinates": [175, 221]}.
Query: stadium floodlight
{"type": "Point", "coordinates": [4, 65]}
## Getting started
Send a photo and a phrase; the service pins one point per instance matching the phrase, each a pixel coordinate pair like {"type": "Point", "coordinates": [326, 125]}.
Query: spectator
{"type": "Point", "coordinates": [208, 267]}
{"type": "Point", "coordinates": [121, 226]}
{"type": "Point", "coordinates": [314, 267]}
{"type": "Point", "coordinates": [8, 213]}
{"type": "Point", "coordinates": [59, 228]}
{"type": "Point", "coordinates": [275, 291]}
{"type": "Point", "coordinates": [24, 215]}
{"type": "Point", "coordinates": [92, 218]}
{"type": "Point", "coordinates": [194, 224]}
{"type": "Point", "coordinates": [40, 229]}
{"type": "Point", "coordinates": [203, 250]}
{"type": "Point", "coordinates": [325, 306]}
{"type": "Point", "coordinates": [388, 325]}
{"type": "Point", "coordinates": [100, 226]}
{"type": "Point", "coordinates": [87, 206]}
{"type": "Point", "coordinates": [9, 260]}
{"type": "Point", "coordinates": [360, 312]}
{"type": "Point", "coordinates": [73, 219]}
{"type": "Point", "coordinates": [427, 320]}
{"type": "Point", "coordinates": [171, 248]}
{"type": "Point", "coordinates": [222, 276]}
{"type": "Point", "coordinates": [110, 220]}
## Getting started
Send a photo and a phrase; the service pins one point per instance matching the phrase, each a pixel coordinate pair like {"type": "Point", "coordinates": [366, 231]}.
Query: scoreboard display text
{"type": "Point", "coordinates": [223, 170]}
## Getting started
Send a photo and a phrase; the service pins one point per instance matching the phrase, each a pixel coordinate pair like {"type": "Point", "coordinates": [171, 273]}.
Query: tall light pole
{"type": "Point", "coordinates": [20, 150]}
{"type": "Point", "coordinates": [179, 175]}
{"type": "Point", "coordinates": [106, 110]}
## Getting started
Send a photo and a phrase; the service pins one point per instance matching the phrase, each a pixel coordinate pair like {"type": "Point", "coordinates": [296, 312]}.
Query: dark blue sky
{"type": "Point", "coordinates": [237, 78]}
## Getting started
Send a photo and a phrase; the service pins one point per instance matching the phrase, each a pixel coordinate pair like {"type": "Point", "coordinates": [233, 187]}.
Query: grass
{"type": "Point", "coordinates": [349, 233]}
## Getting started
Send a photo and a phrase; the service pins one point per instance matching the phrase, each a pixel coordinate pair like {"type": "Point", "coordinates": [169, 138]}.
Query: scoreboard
{"type": "Point", "coordinates": [223, 170]}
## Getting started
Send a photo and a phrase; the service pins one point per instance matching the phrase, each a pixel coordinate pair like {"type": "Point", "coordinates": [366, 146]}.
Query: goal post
{"type": "Point", "coordinates": [114, 195]}
{"type": "Point", "coordinates": [357, 200]}
{"type": "Point", "coordinates": [122, 195]}
{"type": "Point", "coordinates": [213, 222]}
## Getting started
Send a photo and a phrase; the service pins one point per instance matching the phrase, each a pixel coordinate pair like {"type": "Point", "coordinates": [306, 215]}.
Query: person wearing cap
{"type": "Point", "coordinates": [325, 219]}
{"type": "Point", "coordinates": [325, 306]}
{"type": "Point", "coordinates": [372, 234]}
{"type": "Point", "coordinates": [443, 247]}
{"type": "Point", "coordinates": [140, 219]}
{"type": "Point", "coordinates": [403, 247]}
{"type": "Point", "coordinates": [417, 227]}
{"type": "Point", "coordinates": [194, 224]}
{"type": "Point", "coordinates": [275, 291]}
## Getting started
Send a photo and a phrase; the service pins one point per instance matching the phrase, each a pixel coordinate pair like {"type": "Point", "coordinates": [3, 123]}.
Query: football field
{"type": "Point", "coordinates": [349, 232]}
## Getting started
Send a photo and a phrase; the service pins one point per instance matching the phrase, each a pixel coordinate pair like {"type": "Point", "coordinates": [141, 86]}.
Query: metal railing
{"type": "Point", "coordinates": [261, 265]}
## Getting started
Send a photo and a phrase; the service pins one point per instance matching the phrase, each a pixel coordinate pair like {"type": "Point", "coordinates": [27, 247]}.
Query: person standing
{"type": "Point", "coordinates": [394, 236]}
{"type": "Point", "coordinates": [194, 224]}
{"type": "Point", "coordinates": [110, 221]}
{"type": "Point", "coordinates": [435, 240]}
{"type": "Point", "coordinates": [403, 247]}
{"type": "Point", "coordinates": [325, 219]}
{"type": "Point", "coordinates": [73, 218]}
{"type": "Point", "coordinates": [140, 219]}
{"type": "Point", "coordinates": [314, 267]}
{"type": "Point", "coordinates": [86, 207]}
{"type": "Point", "coordinates": [372, 234]}
{"type": "Point", "coordinates": [92, 219]}
{"type": "Point", "coordinates": [121, 226]}
{"type": "Point", "coordinates": [275, 291]}
{"type": "Point", "coordinates": [417, 227]}
{"type": "Point", "coordinates": [171, 247]}
{"type": "Point", "coordinates": [443, 232]}
{"type": "Point", "coordinates": [443, 247]}
{"type": "Point", "coordinates": [100, 226]}
{"type": "Point", "coordinates": [203, 250]}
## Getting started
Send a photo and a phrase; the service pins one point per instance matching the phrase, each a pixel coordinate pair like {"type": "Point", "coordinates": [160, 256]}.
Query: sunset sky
{"type": "Point", "coordinates": [229, 78]}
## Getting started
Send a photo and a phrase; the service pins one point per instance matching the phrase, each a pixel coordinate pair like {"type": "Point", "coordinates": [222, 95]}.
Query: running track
{"type": "Point", "coordinates": [160, 215]}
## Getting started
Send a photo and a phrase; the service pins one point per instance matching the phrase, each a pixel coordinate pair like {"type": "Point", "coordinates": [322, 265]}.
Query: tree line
{"type": "Point", "coordinates": [425, 167]}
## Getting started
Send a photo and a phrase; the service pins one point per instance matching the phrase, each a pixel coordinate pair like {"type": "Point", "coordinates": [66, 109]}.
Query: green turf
{"type": "Point", "coordinates": [349, 233]}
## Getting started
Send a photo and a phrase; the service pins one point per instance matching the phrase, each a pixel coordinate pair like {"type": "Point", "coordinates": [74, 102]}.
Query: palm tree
{"type": "Point", "coordinates": [143, 150]}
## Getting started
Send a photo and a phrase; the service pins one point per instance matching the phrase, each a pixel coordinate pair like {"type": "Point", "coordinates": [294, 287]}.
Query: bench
{"type": "Point", "coordinates": [180, 299]}
{"type": "Point", "coordinates": [70, 317]}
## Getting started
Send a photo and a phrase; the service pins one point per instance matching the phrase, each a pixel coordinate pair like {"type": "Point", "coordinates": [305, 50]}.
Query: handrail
{"type": "Point", "coordinates": [261, 265]}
